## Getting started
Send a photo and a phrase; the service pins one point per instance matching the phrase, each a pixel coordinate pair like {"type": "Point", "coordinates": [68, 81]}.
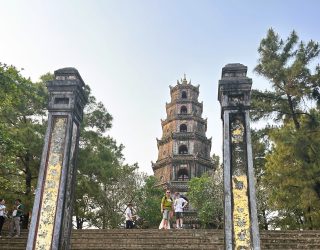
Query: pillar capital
{"type": "Point", "coordinates": [66, 92]}
{"type": "Point", "coordinates": [234, 87]}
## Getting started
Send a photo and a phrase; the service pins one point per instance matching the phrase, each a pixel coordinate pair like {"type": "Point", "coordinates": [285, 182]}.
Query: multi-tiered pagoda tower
{"type": "Point", "coordinates": [184, 149]}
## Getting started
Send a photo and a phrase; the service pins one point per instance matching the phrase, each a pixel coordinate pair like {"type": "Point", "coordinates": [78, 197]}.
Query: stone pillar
{"type": "Point", "coordinates": [51, 221]}
{"type": "Point", "coordinates": [240, 212]}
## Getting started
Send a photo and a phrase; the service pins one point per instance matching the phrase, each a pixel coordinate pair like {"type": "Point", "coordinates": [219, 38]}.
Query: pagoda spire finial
{"type": "Point", "coordinates": [184, 80]}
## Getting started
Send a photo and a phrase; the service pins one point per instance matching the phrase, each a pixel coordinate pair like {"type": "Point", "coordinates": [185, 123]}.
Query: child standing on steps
{"type": "Point", "coordinates": [179, 205]}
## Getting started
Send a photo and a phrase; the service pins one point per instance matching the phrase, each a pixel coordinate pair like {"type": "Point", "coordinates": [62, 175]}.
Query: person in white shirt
{"type": "Point", "coordinates": [179, 205]}
{"type": "Point", "coordinates": [2, 214]}
{"type": "Point", "coordinates": [128, 214]}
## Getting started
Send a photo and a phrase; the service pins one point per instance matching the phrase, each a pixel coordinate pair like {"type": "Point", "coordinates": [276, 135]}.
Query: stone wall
{"type": "Point", "coordinates": [163, 174]}
{"type": "Point", "coordinates": [165, 150]}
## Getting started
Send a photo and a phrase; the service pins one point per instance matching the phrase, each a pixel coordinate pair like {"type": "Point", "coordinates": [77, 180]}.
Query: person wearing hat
{"type": "Point", "coordinates": [128, 214]}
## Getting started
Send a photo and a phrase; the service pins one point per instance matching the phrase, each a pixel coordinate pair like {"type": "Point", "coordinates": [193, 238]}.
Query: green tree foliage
{"type": "Point", "coordinates": [206, 196]}
{"type": "Point", "coordinates": [285, 155]}
{"type": "Point", "coordinates": [287, 65]}
{"type": "Point", "coordinates": [293, 172]}
{"type": "Point", "coordinates": [148, 202]}
{"type": "Point", "coordinates": [104, 183]}
{"type": "Point", "coordinates": [22, 118]}
{"type": "Point", "coordinates": [260, 145]}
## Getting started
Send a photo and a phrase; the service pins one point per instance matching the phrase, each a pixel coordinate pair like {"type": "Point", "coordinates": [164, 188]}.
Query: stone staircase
{"type": "Point", "coordinates": [152, 239]}
{"type": "Point", "coordinates": [148, 239]}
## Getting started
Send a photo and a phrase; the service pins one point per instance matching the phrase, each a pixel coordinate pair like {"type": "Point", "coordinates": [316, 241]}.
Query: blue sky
{"type": "Point", "coordinates": [130, 51]}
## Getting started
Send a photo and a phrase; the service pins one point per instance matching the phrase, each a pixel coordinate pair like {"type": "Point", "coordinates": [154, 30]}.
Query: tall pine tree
{"type": "Point", "coordinates": [290, 177]}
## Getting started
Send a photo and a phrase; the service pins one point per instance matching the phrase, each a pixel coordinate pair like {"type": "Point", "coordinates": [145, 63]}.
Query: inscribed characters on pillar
{"type": "Point", "coordinates": [51, 184]}
{"type": "Point", "coordinates": [240, 209]}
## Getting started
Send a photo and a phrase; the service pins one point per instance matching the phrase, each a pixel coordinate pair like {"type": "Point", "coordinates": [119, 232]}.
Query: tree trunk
{"type": "Point", "coordinates": [265, 221]}
{"type": "Point", "coordinates": [310, 224]}
{"type": "Point", "coordinates": [317, 189]}
{"type": "Point", "coordinates": [104, 221]}
{"type": "Point", "coordinates": [28, 178]}
{"type": "Point", "coordinates": [28, 174]}
{"type": "Point", "coordinates": [293, 114]}
{"type": "Point", "coordinates": [300, 221]}
{"type": "Point", "coordinates": [79, 222]}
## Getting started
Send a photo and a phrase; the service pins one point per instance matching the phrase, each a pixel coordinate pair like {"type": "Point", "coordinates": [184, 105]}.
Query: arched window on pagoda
{"type": "Point", "coordinates": [183, 150]}
{"type": "Point", "coordinates": [183, 128]}
{"type": "Point", "coordinates": [184, 94]}
{"type": "Point", "coordinates": [183, 175]}
{"type": "Point", "coordinates": [183, 110]}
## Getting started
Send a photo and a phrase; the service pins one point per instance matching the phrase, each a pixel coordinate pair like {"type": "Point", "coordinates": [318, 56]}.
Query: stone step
{"type": "Point", "coordinates": [180, 247]}
{"type": "Point", "coordinates": [150, 231]}
{"type": "Point", "coordinates": [171, 239]}
{"type": "Point", "coordinates": [155, 237]}
{"type": "Point", "coordinates": [290, 240]}
{"type": "Point", "coordinates": [290, 233]}
{"type": "Point", "coordinates": [290, 246]}
{"type": "Point", "coordinates": [150, 240]}
{"type": "Point", "coordinates": [147, 246]}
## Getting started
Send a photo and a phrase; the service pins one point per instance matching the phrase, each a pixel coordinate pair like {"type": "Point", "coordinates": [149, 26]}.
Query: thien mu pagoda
{"type": "Point", "coordinates": [184, 149]}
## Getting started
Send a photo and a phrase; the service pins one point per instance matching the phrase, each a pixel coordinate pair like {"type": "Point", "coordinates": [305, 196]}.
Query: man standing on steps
{"type": "Point", "coordinates": [166, 209]}
{"type": "Point", "coordinates": [179, 205]}
{"type": "Point", "coordinates": [16, 217]}
{"type": "Point", "coordinates": [129, 220]}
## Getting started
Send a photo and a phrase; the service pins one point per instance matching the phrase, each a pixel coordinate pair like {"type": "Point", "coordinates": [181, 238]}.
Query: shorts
{"type": "Point", "coordinates": [166, 214]}
{"type": "Point", "coordinates": [179, 215]}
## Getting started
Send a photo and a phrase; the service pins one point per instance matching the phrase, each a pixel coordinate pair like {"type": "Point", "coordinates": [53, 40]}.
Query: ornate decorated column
{"type": "Point", "coordinates": [51, 221]}
{"type": "Point", "coordinates": [240, 212]}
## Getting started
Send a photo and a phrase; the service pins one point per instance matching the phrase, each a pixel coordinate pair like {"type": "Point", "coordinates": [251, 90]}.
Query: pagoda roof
{"type": "Point", "coordinates": [184, 117]}
{"type": "Point", "coordinates": [184, 136]}
{"type": "Point", "coordinates": [183, 159]}
{"type": "Point", "coordinates": [184, 101]}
